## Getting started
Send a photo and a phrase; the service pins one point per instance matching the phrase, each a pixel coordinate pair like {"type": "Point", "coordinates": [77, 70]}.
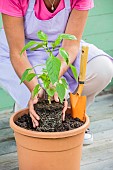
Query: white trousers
{"type": "Point", "coordinates": [98, 76]}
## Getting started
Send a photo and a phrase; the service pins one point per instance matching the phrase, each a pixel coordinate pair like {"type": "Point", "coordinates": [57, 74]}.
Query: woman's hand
{"type": "Point", "coordinates": [65, 105]}
{"type": "Point", "coordinates": [35, 118]}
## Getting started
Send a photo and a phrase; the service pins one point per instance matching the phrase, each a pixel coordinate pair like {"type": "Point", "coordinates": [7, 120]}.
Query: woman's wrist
{"type": "Point", "coordinates": [31, 85]}
{"type": "Point", "coordinates": [72, 50]}
{"type": "Point", "coordinates": [20, 64]}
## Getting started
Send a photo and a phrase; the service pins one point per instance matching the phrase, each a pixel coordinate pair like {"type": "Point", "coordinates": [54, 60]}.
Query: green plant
{"type": "Point", "coordinates": [50, 74]}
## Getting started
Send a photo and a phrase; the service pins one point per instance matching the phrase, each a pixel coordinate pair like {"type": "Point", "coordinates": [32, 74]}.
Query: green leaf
{"type": "Point", "coordinates": [64, 82]}
{"type": "Point", "coordinates": [46, 81]}
{"type": "Point", "coordinates": [40, 45]}
{"type": "Point", "coordinates": [25, 74]}
{"type": "Point", "coordinates": [61, 91]}
{"type": "Point", "coordinates": [42, 36]}
{"type": "Point", "coordinates": [68, 37]}
{"type": "Point", "coordinates": [64, 55]}
{"type": "Point", "coordinates": [56, 42]}
{"type": "Point", "coordinates": [43, 76]}
{"type": "Point", "coordinates": [61, 37]}
{"type": "Point", "coordinates": [74, 71]}
{"type": "Point", "coordinates": [53, 65]}
{"type": "Point", "coordinates": [30, 76]}
{"type": "Point", "coordinates": [51, 91]}
{"type": "Point", "coordinates": [35, 90]}
{"type": "Point", "coordinates": [44, 70]}
{"type": "Point", "coordinates": [28, 45]}
{"type": "Point", "coordinates": [46, 84]}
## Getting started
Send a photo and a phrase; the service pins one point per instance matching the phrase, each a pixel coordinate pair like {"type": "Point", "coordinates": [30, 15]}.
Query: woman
{"type": "Point", "coordinates": [22, 19]}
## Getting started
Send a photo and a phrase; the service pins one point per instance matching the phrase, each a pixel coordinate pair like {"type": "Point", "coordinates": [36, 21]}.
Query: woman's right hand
{"type": "Point", "coordinates": [34, 116]}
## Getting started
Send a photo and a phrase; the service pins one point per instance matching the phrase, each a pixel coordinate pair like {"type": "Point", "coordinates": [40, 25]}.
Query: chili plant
{"type": "Point", "coordinates": [50, 74]}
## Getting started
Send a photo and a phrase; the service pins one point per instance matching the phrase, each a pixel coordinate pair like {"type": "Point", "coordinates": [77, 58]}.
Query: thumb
{"type": "Point", "coordinates": [56, 97]}
{"type": "Point", "coordinates": [35, 100]}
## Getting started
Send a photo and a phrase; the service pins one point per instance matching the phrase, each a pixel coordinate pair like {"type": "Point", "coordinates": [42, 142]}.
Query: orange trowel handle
{"type": "Point", "coordinates": [78, 102]}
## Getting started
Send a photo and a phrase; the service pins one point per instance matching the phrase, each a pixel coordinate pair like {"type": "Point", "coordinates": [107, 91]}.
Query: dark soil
{"type": "Point", "coordinates": [50, 119]}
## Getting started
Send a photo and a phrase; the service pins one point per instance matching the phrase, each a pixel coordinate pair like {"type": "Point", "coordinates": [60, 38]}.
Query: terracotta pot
{"type": "Point", "coordinates": [48, 150]}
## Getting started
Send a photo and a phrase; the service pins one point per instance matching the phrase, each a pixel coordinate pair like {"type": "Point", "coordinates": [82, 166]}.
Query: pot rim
{"type": "Point", "coordinates": [49, 135]}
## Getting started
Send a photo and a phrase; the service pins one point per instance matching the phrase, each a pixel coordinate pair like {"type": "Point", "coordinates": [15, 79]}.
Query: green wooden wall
{"type": "Point", "coordinates": [99, 31]}
{"type": "Point", "coordinates": [99, 27]}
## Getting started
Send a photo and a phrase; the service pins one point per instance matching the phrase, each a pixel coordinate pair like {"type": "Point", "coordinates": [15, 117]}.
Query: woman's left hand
{"type": "Point", "coordinates": [65, 105]}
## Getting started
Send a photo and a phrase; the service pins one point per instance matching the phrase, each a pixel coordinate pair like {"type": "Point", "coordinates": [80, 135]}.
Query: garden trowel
{"type": "Point", "coordinates": [78, 102]}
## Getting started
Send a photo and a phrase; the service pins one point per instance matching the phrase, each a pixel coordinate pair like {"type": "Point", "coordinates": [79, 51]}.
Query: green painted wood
{"type": "Point", "coordinates": [99, 24]}
{"type": "Point", "coordinates": [103, 41]}
{"type": "Point", "coordinates": [6, 102]}
{"type": "Point", "coordinates": [102, 7]}
{"type": "Point", "coordinates": [110, 52]}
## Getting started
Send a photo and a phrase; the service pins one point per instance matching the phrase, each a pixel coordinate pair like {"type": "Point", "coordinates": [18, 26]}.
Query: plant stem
{"type": "Point", "coordinates": [38, 65]}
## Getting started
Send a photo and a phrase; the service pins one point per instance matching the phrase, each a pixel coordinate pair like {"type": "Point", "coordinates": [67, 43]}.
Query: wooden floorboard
{"type": "Point", "coordinates": [9, 162]}
{"type": "Point", "coordinates": [98, 156]}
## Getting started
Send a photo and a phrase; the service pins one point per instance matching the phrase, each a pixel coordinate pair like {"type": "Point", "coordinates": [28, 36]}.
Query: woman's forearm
{"type": "Point", "coordinates": [20, 64]}
{"type": "Point", "coordinates": [75, 26]}
{"type": "Point", "coordinates": [14, 30]}
{"type": "Point", "coordinates": [72, 48]}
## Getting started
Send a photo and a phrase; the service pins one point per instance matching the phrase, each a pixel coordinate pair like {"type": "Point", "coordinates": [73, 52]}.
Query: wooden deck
{"type": "Point", "coordinates": [98, 156]}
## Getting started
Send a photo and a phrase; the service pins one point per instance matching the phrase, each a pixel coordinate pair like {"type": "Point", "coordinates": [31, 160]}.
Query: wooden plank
{"type": "Point", "coordinates": [99, 24]}
{"type": "Point", "coordinates": [99, 151]}
{"type": "Point", "coordinates": [7, 147]}
{"type": "Point", "coordinates": [4, 123]}
{"type": "Point", "coordinates": [104, 108]}
{"type": "Point", "coordinates": [102, 136]}
{"type": "Point", "coordinates": [9, 161]}
{"type": "Point", "coordinates": [6, 114]}
{"type": "Point", "coordinates": [99, 165]}
{"type": "Point", "coordinates": [102, 125]}
{"type": "Point", "coordinates": [102, 41]}
{"type": "Point", "coordinates": [5, 118]}
{"type": "Point", "coordinates": [102, 7]}
{"type": "Point", "coordinates": [6, 134]}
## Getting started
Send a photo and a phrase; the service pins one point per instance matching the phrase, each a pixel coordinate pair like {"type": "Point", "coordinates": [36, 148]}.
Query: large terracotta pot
{"type": "Point", "coordinates": [48, 150]}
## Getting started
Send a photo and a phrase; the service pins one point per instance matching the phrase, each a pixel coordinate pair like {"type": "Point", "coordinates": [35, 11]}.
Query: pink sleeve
{"type": "Point", "coordinates": [82, 4]}
{"type": "Point", "coordinates": [13, 7]}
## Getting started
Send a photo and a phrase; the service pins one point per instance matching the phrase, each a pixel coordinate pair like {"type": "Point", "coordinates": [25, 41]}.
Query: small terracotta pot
{"type": "Point", "coordinates": [48, 150]}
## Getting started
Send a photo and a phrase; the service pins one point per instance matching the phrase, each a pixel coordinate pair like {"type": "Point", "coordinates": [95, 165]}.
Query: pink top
{"type": "Point", "coordinates": [18, 7]}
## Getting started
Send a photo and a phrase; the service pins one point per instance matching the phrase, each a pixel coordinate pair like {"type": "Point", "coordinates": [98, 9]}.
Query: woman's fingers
{"type": "Point", "coordinates": [35, 122]}
{"type": "Point", "coordinates": [64, 109]}
{"type": "Point", "coordinates": [33, 114]}
{"type": "Point", "coordinates": [65, 105]}
{"type": "Point", "coordinates": [35, 100]}
{"type": "Point", "coordinates": [56, 97]}
{"type": "Point", "coordinates": [41, 93]}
